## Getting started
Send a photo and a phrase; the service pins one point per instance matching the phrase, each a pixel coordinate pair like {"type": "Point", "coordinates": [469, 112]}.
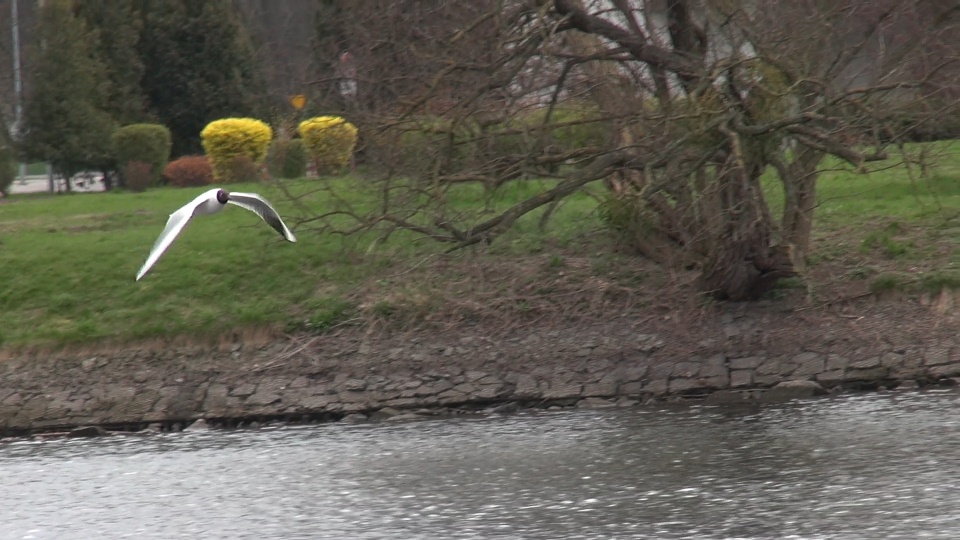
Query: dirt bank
{"type": "Point", "coordinates": [734, 352]}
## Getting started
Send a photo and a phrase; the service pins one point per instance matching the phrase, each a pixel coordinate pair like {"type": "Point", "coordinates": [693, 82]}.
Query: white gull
{"type": "Point", "coordinates": [211, 202]}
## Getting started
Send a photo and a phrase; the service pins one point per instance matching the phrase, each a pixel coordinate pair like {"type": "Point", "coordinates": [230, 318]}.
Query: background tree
{"type": "Point", "coordinates": [698, 101]}
{"type": "Point", "coordinates": [65, 119]}
{"type": "Point", "coordinates": [118, 34]}
{"type": "Point", "coordinates": [198, 66]}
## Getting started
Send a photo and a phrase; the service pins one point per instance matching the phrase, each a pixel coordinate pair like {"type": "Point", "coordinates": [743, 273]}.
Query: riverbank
{"type": "Point", "coordinates": [748, 353]}
{"type": "Point", "coordinates": [554, 313]}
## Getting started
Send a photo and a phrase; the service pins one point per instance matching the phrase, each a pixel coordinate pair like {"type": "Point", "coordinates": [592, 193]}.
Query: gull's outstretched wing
{"type": "Point", "coordinates": [175, 223]}
{"type": "Point", "coordinates": [260, 206]}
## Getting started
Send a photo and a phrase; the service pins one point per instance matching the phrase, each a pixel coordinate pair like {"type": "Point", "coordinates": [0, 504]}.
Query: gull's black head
{"type": "Point", "coordinates": [222, 196]}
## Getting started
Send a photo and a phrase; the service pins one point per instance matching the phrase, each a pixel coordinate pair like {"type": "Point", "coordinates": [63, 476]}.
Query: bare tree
{"type": "Point", "coordinates": [687, 104]}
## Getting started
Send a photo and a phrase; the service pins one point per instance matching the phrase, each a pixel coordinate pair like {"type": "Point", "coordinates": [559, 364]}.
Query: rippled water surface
{"type": "Point", "coordinates": [875, 466]}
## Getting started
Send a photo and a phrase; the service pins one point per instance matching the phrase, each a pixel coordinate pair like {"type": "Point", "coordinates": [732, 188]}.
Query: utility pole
{"type": "Point", "coordinates": [17, 78]}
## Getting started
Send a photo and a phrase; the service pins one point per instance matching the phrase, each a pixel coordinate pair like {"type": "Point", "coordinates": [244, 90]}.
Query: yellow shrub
{"type": "Point", "coordinates": [228, 139]}
{"type": "Point", "coordinates": [330, 141]}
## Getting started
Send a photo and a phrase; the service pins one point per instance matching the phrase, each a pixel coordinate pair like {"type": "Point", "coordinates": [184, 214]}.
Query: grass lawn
{"type": "Point", "coordinates": [846, 198]}
{"type": "Point", "coordinates": [890, 226]}
{"type": "Point", "coordinates": [67, 263]}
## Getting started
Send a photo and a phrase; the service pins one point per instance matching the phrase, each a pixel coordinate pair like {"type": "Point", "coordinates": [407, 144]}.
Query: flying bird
{"type": "Point", "coordinates": [211, 202]}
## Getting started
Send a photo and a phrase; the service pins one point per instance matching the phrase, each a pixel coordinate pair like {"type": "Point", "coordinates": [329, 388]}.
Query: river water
{"type": "Point", "coordinates": [871, 466]}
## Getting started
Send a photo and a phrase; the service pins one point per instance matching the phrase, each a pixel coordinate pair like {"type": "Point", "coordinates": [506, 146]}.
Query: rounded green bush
{"type": "Point", "coordinates": [143, 143]}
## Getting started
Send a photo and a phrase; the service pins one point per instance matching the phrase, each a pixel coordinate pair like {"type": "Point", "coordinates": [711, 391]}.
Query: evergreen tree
{"type": "Point", "coordinates": [65, 120]}
{"type": "Point", "coordinates": [118, 33]}
{"type": "Point", "coordinates": [199, 66]}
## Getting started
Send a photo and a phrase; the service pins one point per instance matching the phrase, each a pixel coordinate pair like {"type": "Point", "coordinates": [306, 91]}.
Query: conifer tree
{"type": "Point", "coordinates": [118, 32]}
{"type": "Point", "coordinates": [65, 119]}
{"type": "Point", "coordinates": [199, 66]}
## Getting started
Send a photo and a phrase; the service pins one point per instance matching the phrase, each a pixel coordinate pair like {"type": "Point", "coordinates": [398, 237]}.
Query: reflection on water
{"type": "Point", "coordinates": [867, 466]}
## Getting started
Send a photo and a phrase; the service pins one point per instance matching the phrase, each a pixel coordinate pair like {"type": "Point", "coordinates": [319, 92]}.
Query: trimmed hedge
{"type": "Point", "coordinates": [287, 159]}
{"type": "Point", "coordinates": [931, 127]}
{"type": "Point", "coordinates": [144, 143]}
{"type": "Point", "coordinates": [189, 171]}
{"type": "Point", "coordinates": [137, 175]}
{"type": "Point", "coordinates": [330, 141]}
{"type": "Point", "coordinates": [229, 138]}
{"type": "Point", "coordinates": [243, 169]}
{"type": "Point", "coordinates": [435, 144]}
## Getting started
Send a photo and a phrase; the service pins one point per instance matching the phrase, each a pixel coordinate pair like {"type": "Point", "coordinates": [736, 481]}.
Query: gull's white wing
{"type": "Point", "coordinates": [260, 206]}
{"type": "Point", "coordinates": [175, 223]}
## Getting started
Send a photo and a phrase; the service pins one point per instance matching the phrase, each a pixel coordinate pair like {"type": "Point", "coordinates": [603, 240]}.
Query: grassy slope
{"type": "Point", "coordinates": [846, 198]}
{"type": "Point", "coordinates": [909, 219]}
{"type": "Point", "coordinates": [67, 263]}
{"type": "Point", "coordinates": [67, 266]}
{"type": "Point", "coordinates": [889, 225]}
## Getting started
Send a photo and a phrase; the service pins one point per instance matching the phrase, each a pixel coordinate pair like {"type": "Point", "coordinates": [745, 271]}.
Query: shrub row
{"type": "Point", "coordinates": [287, 158]}
{"type": "Point", "coordinates": [238, 147]}
{"type": "Point", "coordinates": [435, 144]}
{"type": "Point", "coordinates": [189, 171]}
{"type": "Point", "coordinates": [236, 150]}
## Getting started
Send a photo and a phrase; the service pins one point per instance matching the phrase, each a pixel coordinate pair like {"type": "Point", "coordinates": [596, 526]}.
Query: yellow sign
{"type": "Point", "coordinates": [298, 101]}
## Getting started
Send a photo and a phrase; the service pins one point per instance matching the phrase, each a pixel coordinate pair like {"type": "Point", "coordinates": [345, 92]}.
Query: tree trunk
{"type": "Point", "coordinates": [799, 179]}
{"type": "Point", "coordinates": [741, 262]}
{"type": "Point", "coordinates": [107, 179]}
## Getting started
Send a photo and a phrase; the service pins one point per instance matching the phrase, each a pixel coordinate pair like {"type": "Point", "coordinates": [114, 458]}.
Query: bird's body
{"type": "Point", "coordinates": [204, 204]}
{"type": "Point", "coordinates": [207, 203]}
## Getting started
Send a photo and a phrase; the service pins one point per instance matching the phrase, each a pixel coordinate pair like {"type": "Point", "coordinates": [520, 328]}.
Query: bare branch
{"type": "Point", "coordinates": [641, 49]}
{"type": "Point", "coordinates": [598, 170]}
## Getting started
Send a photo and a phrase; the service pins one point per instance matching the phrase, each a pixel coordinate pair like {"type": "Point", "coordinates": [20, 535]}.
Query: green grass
{"type": "Point", "coordinates": [66, 267]}
{"type": "Point", "coordinates": [845, 197]}
{"type": "Point", "coordinates": [907, 218]}
{"type": "Point", "coordinates": [67, 264]}
{"type": "Point", "coordinates": [884, 241]}
{"type": "Point", "coordinates": [887, 283]}
{"type": "Point", "coordinates": [931, 283]}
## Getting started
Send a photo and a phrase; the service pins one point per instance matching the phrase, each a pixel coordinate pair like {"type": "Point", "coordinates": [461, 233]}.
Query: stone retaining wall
{"type": "Point", "coordinates": [326, 378]}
